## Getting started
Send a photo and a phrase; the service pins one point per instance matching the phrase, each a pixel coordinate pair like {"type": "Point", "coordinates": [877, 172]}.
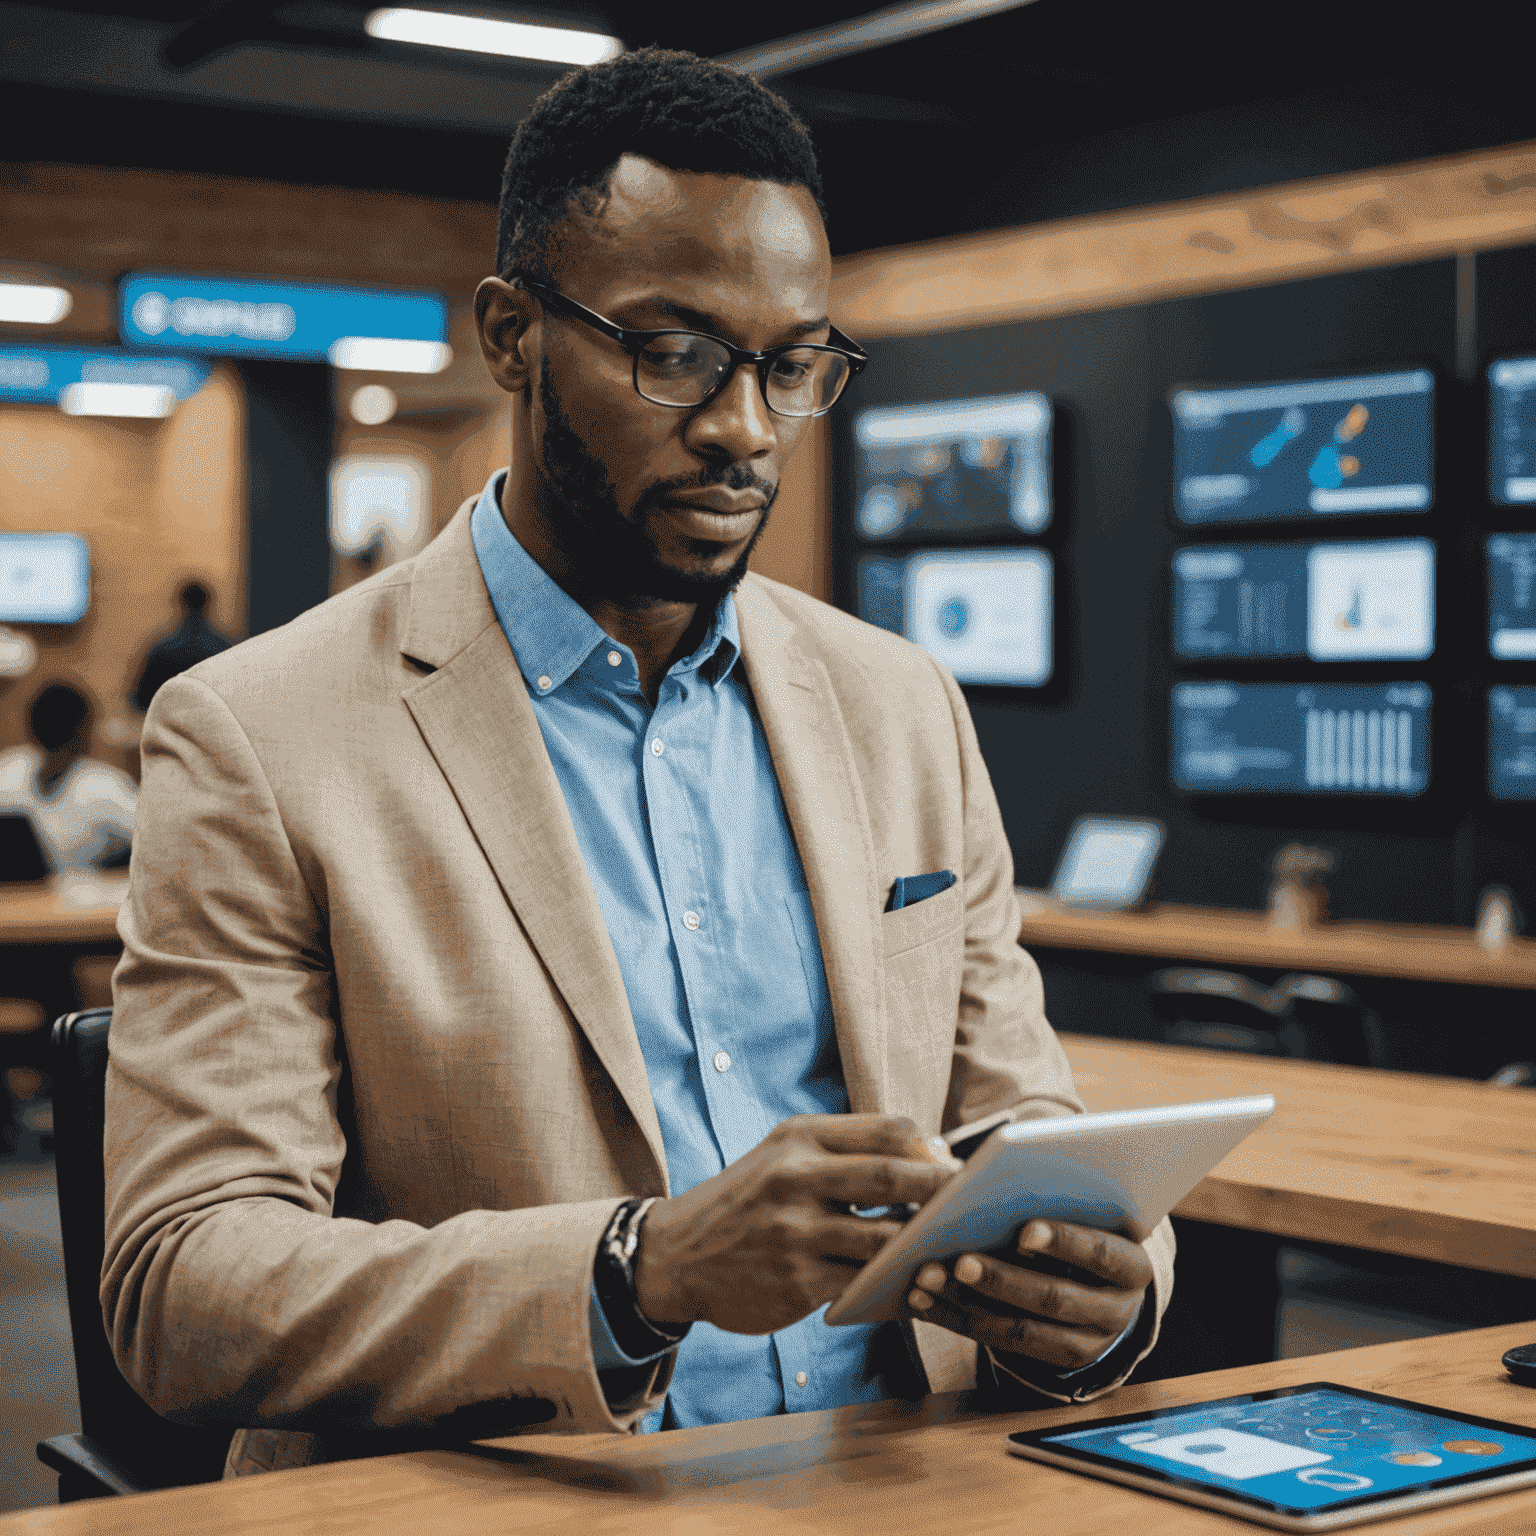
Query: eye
{"type": "Point", "coordinates": [675, 354]}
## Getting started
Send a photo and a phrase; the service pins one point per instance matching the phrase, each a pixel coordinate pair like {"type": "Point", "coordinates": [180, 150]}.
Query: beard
{"type": "Point", "coordinates": [616, 555]}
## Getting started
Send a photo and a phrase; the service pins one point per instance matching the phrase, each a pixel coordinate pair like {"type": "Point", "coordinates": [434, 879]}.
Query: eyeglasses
{"type": "Point", "coordinates": [687, 369]}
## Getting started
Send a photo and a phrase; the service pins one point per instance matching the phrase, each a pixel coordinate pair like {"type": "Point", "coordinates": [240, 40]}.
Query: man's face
{"type": "Point", "coordinates": [648, 500]}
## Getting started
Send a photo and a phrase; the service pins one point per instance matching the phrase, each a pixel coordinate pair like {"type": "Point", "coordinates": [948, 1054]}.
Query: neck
{"type": "Point", "coordinates": [659, 631]}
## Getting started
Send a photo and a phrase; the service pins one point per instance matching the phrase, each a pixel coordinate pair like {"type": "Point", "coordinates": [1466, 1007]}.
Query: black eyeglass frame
{"type": "Point", "coordinates": [635, 342]}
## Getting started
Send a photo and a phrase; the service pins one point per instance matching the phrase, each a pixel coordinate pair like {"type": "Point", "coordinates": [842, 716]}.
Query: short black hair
{"type": "Point", "coordinates": [682, 111]}
{"type": "Point", "coordinates": [56, 716]}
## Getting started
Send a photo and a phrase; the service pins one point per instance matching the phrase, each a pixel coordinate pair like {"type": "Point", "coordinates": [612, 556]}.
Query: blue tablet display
{"type": "Point", "coordinates": [1309, 1449]}
{"type": "Point", "coordinates": [1328, 447]}
{"type": "Point", "coordinates": [1301, 738]}
{"type": "Point", "coordinates": [1512, 432]}
{"type": "Point", "coordinates": [1512, 596]}
{"type": "Point", "coordinates": [1512, 743]}
{"type": "Point", "coordinates": [1329, 602]}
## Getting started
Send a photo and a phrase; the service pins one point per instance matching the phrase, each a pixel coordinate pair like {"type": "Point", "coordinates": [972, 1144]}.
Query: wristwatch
{"type": "Point", "coordinates": [613, 1276]}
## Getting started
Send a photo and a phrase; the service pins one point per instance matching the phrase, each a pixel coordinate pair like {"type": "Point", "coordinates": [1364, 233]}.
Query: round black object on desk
{"type": "Point", "coordinates": [1520, 1362]}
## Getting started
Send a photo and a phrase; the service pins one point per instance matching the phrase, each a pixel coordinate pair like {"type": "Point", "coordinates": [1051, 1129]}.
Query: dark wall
{"type": "Point", "coordinates": [1097, 741]}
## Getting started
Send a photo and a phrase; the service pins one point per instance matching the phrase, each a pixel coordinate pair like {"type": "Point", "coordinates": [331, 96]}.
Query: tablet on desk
{"type": "Point", "coordinates": [1312, 1458]}
{"type": "Point", "coordinates": [1121, 1171]}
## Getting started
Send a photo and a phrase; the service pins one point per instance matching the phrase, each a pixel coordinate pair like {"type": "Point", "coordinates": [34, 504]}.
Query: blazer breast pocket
{"type": "Point", "coordinates": [913, 927]}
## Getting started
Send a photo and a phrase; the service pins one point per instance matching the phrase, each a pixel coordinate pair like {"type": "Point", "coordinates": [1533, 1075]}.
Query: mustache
{"type": "Point", "coordinates": [734, 477]}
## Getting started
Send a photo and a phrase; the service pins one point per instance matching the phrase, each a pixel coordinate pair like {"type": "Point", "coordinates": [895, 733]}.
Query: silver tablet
{"type": "Point", "coordinates": [1122, 1171]}
{"type": "Point", "coordinates": [1311, 1458]}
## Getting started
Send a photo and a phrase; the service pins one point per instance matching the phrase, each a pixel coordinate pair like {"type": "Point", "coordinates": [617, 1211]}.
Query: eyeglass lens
{"type": "Point", "coordinates": [682, 369]}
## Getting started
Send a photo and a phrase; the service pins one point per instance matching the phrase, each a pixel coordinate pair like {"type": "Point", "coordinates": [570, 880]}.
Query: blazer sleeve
{"type": "Point", "coordinates": [231, 1292]}
{"type": "Point", "coordinates": [1006, 1054]}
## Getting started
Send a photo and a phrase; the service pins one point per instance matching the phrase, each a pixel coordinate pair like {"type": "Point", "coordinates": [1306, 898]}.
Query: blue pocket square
{"type": "Point", "coordinates": [911, 889]}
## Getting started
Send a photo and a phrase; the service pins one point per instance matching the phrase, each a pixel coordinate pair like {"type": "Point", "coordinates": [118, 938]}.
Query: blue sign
{"type": "Point", "coordinates": [44, 374]}
{"type": "Point", "coordinates": [241, 317]}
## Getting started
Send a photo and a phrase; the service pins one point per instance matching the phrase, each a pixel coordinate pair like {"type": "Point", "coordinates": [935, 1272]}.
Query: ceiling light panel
{"type": "Point", "coordinates": [478, 34]}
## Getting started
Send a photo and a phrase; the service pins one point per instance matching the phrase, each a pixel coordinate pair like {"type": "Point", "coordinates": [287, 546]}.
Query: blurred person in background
{"type": "Point", "coordinates": [192, 641]}
{"type": "Point", "coordinates": [82, 809]}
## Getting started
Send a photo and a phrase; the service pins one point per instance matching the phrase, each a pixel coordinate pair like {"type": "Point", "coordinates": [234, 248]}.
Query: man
{"type": "Point", "coordinates": [193, 640]}
{"type": "Point", "coordinates": [520, 982]}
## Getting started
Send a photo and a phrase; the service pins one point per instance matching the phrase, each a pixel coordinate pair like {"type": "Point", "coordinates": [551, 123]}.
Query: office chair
{"type": "Point", "coordinates": [1224, 1011]}
{"type": "Point", "coordinates": [1338, 1025]}
{"type": "Point", "coordinates": [124, 1446]}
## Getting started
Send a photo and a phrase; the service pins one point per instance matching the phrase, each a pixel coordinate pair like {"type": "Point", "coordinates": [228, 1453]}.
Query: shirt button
{"type": "Point", "coordinates": [722, 1061]}
{"type": "Point", "coordinates": [614, 658]}
{"type": "Point", "coordinates": [691, 921]}
{"type": "Point", "coordinates": [801, 1378]}
{"type": "Point", "coordinates": [545, 685]}
{"type": "Point", "coordinates": [657, 747]}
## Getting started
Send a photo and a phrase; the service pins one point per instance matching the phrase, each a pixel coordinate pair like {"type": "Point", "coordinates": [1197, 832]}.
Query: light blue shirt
{"type": "Point", "coordinates": [682, 826]}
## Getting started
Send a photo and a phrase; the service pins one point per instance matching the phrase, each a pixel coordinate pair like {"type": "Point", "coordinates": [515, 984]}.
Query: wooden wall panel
{"type": "Point", "coordinates": [1274, 234]}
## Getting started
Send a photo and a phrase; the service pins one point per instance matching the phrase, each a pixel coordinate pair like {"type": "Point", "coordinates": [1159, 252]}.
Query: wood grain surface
{"type": "Point", "coordinates": [58, 911]}
{"type": "Point", "coordinates": [1399, 1162]}
{"type": "Point", "coordinates": [1409, 950]}
{"type": "Point", "coordinates": [1401, 213]}
{"type": "Point", "coordinates": [936, 1468]}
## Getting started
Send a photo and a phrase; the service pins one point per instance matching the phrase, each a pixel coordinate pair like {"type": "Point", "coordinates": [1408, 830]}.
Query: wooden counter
{"type": "Point", "coordinates": [937, 1468]}
{"type": "Point", "coordinates": [1400, 1162]}
{"type": "Point", "coordinates": [63, 909]}
{"type": "Point", "coordinates": [1412, 951]}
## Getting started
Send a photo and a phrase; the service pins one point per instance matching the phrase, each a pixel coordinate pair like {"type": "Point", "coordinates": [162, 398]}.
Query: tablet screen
{"type": "Point", "coordinates": [1301, 1450]}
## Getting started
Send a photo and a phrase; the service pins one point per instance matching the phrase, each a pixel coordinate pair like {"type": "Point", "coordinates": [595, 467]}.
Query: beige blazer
{"type": "Point", "coordinates": [374, 1087]}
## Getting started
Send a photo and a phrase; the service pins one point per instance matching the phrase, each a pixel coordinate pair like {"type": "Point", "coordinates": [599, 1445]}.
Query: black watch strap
{"type": "Point", "coordinates": [613, 1276]}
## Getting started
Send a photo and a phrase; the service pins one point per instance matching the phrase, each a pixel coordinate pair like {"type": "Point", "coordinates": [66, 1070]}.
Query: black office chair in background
{"type": "Point", "coordinates": [1313, 1018]}
{"type": "Point", "coordinates": [124, 1446]}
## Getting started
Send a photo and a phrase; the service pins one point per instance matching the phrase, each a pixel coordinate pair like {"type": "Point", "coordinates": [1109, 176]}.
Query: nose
{"type": "Point", "coordinates": [737, 424]}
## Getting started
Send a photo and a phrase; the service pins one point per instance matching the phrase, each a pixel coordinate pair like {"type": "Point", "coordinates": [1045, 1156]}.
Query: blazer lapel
{"type": "Point", "coordinates": [824, 798]}
{"type": "Point", "coordinates": [475, 715]}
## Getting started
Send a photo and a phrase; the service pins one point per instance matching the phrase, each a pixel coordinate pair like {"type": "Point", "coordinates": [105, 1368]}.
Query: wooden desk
{"type": "Point", "coordinates": [1399, 1162]}
{"type": "Point", "coordinates": [1165, 931]}
{"type": "Point", "coordinates": [937, 1468]}
{"type": "Point", "coordinates": [61, 910]}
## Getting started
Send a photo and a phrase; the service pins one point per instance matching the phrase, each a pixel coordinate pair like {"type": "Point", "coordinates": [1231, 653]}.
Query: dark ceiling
{"type": "Point", "coordinates": [1050, 109]}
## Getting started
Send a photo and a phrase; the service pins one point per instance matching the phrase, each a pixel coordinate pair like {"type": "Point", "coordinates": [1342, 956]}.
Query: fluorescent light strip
{"type": "Point", "coordinates": [142, 400]}
{"type": "Point", "coordinates": [386, 354]}
{"type": "Point", "coordinates": [34, 303]}
{"type": "Point", "coordinates": [477, 34]}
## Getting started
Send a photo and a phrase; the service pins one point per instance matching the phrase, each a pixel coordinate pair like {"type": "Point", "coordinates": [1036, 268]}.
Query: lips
{"type": "Point", "coordinates": [722, 505]}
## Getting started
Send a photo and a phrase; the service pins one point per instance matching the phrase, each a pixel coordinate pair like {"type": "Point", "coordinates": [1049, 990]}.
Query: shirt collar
{"type": "Point", "coordinates": [550, 633]}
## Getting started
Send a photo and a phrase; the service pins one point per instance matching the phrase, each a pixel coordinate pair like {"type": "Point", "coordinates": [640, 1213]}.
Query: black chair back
{"type": "Point", "coordinates": [157, 1453]}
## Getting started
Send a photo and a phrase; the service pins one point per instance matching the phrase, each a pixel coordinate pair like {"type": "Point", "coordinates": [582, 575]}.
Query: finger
{"type": "Point", "coordinates": [853, 1238]}
{"type": "Point", "coordinates": [871, 1181]}
{"type": "Point", "coordinates": [1106, 1254]}
{"type": "Point", "coordinates": [1064, 1348]}
{"type": "Point", "coordinates": [890, 1135]}
{"type": "Point", "coordinates": [1048, 1296]}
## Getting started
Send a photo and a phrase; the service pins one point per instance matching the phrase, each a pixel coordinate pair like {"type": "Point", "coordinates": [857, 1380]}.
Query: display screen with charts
{"type": "Point", "coordinates": [985, 613]}
{"type": "Point", "coordinates": [45, 578]}
{"type": "Point", "coordinates": [962, 467]}
{"type": "Point", "coordinates": [1512, 431]}
{"type": "Point", "coordinates": [1306, 1458]}
{"type": "Point", "coordinates": [1318, 447]}
{"type": "Point", "coordinates": [1329, 602]}
{"type": "Point", "coordinates": [1301, 738]}
{"type": "Point", "coordinates": [1511, 598]}
{"type": "Point", "coordinates": [1512, 743]}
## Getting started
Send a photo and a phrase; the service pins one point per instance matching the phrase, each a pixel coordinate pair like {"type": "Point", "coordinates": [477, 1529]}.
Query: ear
{"type": "Point", "coordinates": [504, 316]}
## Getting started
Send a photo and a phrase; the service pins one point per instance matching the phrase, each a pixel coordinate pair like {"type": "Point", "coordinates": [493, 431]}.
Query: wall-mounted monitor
{"type": "Point", "coordinates": [1309, 448]}
{"type": "Point", "coordinates": [45, 578]}
{"type": "Point", "coordinates": [1512, 431]}
{"type": "Point", "coordinates": [962, 467]}
{"type": "Point", "coordinates": [1301, 738]}
{"type": "Point", "coordinates": [1331, 602]}
{"type": "Point", "coordinates": [1512, 743]}
{"type": "Point", "coordinates": [985, 613]}
{"type": "Point", "coordinates": [1511, 601]}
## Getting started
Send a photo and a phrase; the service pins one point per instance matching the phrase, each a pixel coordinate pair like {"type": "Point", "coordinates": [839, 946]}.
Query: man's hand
{"type": "Point", "coordinates": [1013, 1309]}
{"type": "Point", "coordinates": [769, 1239]}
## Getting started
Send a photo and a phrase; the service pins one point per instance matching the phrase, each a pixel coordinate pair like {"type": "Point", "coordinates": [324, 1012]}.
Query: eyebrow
{"type": "Point", "coordinates": [698, 320]}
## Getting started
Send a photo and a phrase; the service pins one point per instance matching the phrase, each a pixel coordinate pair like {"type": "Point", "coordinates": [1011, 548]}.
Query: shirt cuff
{"type": "Point", "coordinates": [606, 1354]}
